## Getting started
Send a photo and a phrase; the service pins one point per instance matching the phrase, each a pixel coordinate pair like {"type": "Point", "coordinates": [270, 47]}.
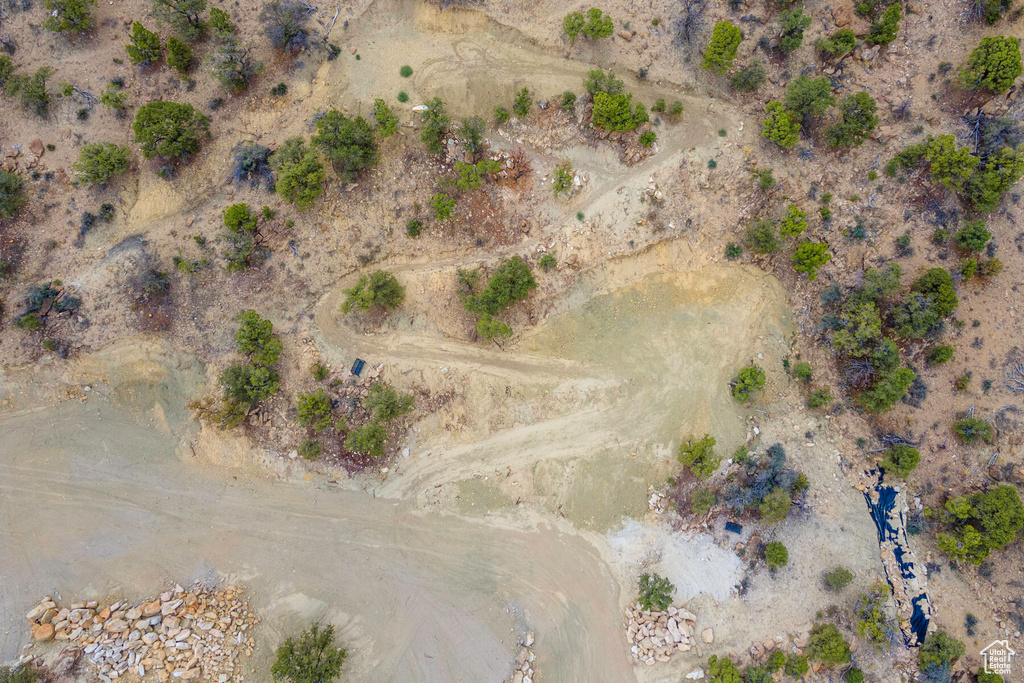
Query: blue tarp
{"type": "Point", "coordinates": [357, 367]}
{"type": "Point", "coordinates": [887, 496]}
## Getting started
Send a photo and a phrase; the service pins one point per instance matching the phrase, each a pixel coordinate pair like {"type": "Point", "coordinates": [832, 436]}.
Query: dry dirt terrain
{"type": "Point", "coordinates": [521, 495]}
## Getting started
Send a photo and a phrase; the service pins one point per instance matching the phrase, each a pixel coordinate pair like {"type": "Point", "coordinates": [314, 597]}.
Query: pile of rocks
{"type": "Point", "coordinates": [655, 636]}
{"type": "Point", "coordinates": [524, 672]}
{"type": "Point", "coordinates": [194, 634]}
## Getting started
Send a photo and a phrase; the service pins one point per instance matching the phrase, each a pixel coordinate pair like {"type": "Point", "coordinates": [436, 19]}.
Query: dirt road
{"type": "Point", "coordinates": [91, 502]}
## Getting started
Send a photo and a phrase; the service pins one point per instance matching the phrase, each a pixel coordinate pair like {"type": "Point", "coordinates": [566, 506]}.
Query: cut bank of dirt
{"type": "Point", "coordinates": [585, 413]}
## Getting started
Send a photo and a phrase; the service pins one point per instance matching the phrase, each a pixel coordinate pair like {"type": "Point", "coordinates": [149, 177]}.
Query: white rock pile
{"type": "Point", "coordinates": [524, 671]}
{"type": "Point", "coordinates": [655, 636]}
{"type": "Point", "coordinates": [196, 634]}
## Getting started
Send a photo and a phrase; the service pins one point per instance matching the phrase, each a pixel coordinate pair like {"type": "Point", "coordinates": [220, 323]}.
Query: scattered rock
{"type": "Point", "coordinates": [43, 632]}
{"type": "Point", "coordinates": [197, 634]}
{"type": "Point", "coordinates": [707, 635]}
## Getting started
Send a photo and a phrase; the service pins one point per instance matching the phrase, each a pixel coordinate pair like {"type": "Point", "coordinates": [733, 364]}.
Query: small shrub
{"type": "Point", "coordinates": [900, 460]}
{"type": "Point", "coordinates": [314, 410]}
{"type": "Point", "coordinates": [233, 65]}
{"type": "Point", "coordinates": [884, 30]}
{"type": "Point", "coordinates": [655, 592]}
{"type": "Point", "coordinates": [838, 579]}
{"type": "Point", "coordinates": [501, 115]}
{"type": "Point", "coordinates": [808, 97]}
{"type": "Point", "coordinates": [733, 251]}
{"type": "Point", "coordinates": [386, 404]}
{"type": "Point", "coordinates": [443, 206]}
{"type": "Point", "coordinates": [435, 125]}
{"type": "Point", "coordinates": [251, 163]}
{"type": "Point", "coordinates": [184, 16]}
{"type": "Point", "coordinates": [284, 24]}
{"type": "Point", "coordinates": [810, 256]}
{"type": "Point", "coordinates": [413, 227]}
{"type": "Point", "coordinates": [522, 103]}
{"type": "Point", "coordinates": [939, 648]}
{"type": "Point", "coordinates": [368, 440]}
{"type": "Point", "coordinates": [511, 282]}
{"type": "Point", "coordinates": [993, 66]}
{"type": "Point", "coordinates": [647, 139]}
{"type": "Point", "coordinates": [775, 506]}
{"type": "Point", "coordinates": [802, 371]}
{"type": "Point", "coordinates": [780, 126]}
{"type": "Point", "coordinates": [144, 47]}
{"type": "Point", "coordinates": [99, 161]}
{"type": "Point", "coordinates": [471, 130]}
{"type": "Point", "coordinates": [489, 327]}
{"type": "Point", "coordinates": [776, 556]}
{"type": "Point", "coordinates": [749, 78]}
{"type": "Point", "coordinates": [889, 389]}
{"type": "Point", "coordinates": [973, 236]}
{"type": "Point", "coordinates": [820, 398]}
{"type": "Point", "coordinates": [699, 456]}
{"type": "Point", "coordinates": [972, 430]}
{"type": "Point", "coordinates": [169, 129]}
{"type": "Point", "coordinates": [937, 355]}
{"type": "Point", "coordinates": [405, 71]}
{"type": "Point", "coordinates": [319, 371]}
{"type": "Point", "coordinates": [839, 44]}
{"type": "Point", "coordinates": [796, 666]}
{"type": "Point", "coordinates": [598, 81]}
{"type": "Point", "coordinates": [792, 24]}
{"type": "Point", "coordinates": [403, 96]}
{"type": "Point", "coordinates": [562, 178]}
{"type": "Point", "coordinates": [828, 645]}
{"type": "Point", "coordinates": [68, 16]}
{"type": "Point", "coordinates": [722, 48]}
{"type": "Point", "coordinates": [221, 24]}
{"type": "Point", "coordinates": [311, 659]}
{"type": "Point", "coordinates": [31, 90]}
{"type": "Point", "coordinates": [310, 449]}
{"type": "Point", "coordinates": [348, 142]}
{"type": "Point", "coordinates": [568, 100]}
{"type": "Point", "coordinates": [113, 98]}
{"type": "Point", "coordinates": [701, 500]}
{"type": "Point", "coordinates": [749, 379]}
{"type": "Point", "coordinates": [380, 288]}
{"type": "Point", "coordinates": [794, 222]}
{"type": "Point", "coordinates": [179, 56]}
{"type": "Point", "coordinates": [765, 179]}
{"type": "Point", "coordinates": [762, 237]}
{"type": "Point", "coordinates": [858, 120]}
{"type": "Point", "coordinates": [300, 176]}
{"type": "Point", "coordinates": [873, 623]}
{"type": "Point", "coordinates": [12, 194]}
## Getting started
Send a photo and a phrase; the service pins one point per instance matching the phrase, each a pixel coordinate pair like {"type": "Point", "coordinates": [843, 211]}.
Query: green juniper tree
{"type": "Point", "coordinates": [722, 48]}
{"type": "Point", "coordinates": [144, 47]}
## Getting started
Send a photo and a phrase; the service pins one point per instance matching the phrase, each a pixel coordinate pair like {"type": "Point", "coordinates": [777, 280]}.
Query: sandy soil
{"type": "Point", "coordinates": [509, 511]}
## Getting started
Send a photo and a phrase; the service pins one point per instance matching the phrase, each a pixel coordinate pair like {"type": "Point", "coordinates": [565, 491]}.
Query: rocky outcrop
{"type": "Point", "coordinates": [196, 634]}
{"type": "Point", "coordinates": [655, 636]}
